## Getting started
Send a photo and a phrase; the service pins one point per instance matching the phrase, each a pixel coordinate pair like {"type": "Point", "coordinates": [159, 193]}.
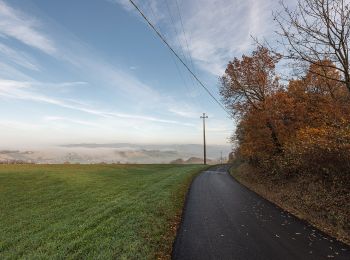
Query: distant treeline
{"type": "Point", "coordinates": [16, 162]}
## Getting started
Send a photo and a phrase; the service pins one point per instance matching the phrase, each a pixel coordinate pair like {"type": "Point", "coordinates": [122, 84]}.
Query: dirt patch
{"type": "Point", "coordinates": [325, 205]}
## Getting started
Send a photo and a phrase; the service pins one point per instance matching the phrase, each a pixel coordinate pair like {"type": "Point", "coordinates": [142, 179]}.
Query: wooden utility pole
{"type": "Point", "coordinates": [205, 149]}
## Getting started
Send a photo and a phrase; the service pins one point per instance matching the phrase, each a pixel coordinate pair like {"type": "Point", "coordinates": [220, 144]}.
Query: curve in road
{"type": "Point", "coordinates": [224, 220]}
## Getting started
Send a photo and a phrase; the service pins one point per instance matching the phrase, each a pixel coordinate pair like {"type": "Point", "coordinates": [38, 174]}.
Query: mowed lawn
{"type": "Point", "coordinates": [90, 211]}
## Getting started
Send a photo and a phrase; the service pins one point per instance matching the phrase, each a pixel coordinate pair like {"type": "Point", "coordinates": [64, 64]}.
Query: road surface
{"type": "Point", "coordinates": [224, 220]}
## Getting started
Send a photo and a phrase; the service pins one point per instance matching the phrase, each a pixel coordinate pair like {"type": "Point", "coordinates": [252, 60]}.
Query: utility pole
{"type": "Point", "coordinates": [221, 159]}
{"type": "Point", "coordinates": [205, 149]}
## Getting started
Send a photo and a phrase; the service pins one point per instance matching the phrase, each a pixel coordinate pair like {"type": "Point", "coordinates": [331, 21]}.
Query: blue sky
{"type": "Point", "coordinates": [92, 71]}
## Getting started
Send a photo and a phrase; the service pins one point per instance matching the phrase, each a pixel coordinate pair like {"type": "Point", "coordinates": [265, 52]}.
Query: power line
{"type": "Point", "coordinates": [176, 33]}
{"type": "Point", "coordinates": [187, 46]}
{"type": "Point", "coordinates": [183, 31]}
{"type": "Point", "coordinates": [183, 78]}
{"type": "Point", "coordinates": [177, 36]}
{"type": "Point", "coordinates": [172, 19]}
{"type": "Point", "coordinates": [180, 73]}
{"type": "Point", "coordinates": [173, 51]}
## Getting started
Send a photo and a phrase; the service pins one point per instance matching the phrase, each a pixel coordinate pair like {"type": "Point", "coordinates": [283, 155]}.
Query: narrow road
{"type": "Point", "coordinates": [224, 220]}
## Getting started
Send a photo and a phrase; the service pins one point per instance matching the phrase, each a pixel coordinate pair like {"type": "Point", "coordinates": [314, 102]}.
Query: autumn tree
{"type": "Point", "coordinates": [299, 128]}
{"type": "Point", "coordinates": [246, 85]}
{"type": "Point", "coordinates": [318, 30]}
{"type": "Point", "coordinates": [322, 78]}
{"type": "Point", "coordinates": [320, 143]}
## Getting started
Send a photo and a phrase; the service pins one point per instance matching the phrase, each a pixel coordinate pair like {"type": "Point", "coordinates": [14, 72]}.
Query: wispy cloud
{"type": "Point", "coordinates": [153, 8]}
{"type": "Point", "coordinates": [66, 48]}
{"type": "Point", "coordinates": [18, 57]}
{"type": "Point", "coordinates": [9, 71]}
{"type": "Point", "coordinates": [183, 110]}
{"type": "Point", "coordinates": [216, 31]}
{"type": "Point", "coordinates": [71, 120]}
{"type": "Point", "coordinates": [102, 90]}
{"type": "Point", "coordinates": [69, 49]}
{"type": "Point", "coordinates": [15, 24]}
{"type": "Point", "coordinates": [24, 91]}
{"type": "Point", "coordinates": [220, 30]}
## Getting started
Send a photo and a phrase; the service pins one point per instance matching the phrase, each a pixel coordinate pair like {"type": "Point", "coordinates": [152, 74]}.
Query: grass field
{"type": "Point", "coordinates": [90, 211]}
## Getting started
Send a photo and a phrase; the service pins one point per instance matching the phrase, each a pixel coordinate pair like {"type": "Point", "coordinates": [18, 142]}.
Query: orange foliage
{"type": "Point", "coordinates": [302, 128]}
{"type": "Point", "coordinates": [248, 82]}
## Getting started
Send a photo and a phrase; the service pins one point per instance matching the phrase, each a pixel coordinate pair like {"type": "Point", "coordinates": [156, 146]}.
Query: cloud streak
{"type": "Point", "coordinates": [24, 29]}
{"type": "Point", "coordinates": [66, 48]}
{"type": "Point", "coordinates": [216, 31]}
{"type": "Point", "coordinates": [101, 89]}
{"type": "Point", "coordinates": [220, 30]}
{"type": "Point", "coordinates": [29, 31]}
{"type": "Point", "coordinates": [18, 57]}
{"type": "Point", "coordinates": [23, 90]}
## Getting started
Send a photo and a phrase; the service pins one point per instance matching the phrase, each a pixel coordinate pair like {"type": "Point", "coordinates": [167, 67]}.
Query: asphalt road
{"type": "Point", "coordinates": [224, 220]}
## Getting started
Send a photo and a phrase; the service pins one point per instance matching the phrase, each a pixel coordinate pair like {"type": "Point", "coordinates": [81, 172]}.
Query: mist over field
{"type": "Point", "coordinates": [116, 153]}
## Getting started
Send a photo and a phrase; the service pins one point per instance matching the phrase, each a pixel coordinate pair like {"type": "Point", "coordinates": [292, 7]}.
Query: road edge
{"type": "Point", "coordinates": [185, 206]}
{"type": "Point", "coordinates": [286, 210]}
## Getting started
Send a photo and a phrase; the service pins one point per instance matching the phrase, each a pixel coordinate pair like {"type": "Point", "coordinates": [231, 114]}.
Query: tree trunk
{"type": "Point", "coordinates": [347, 79]}
{"type": "Point", "coordinates": [274, 137]}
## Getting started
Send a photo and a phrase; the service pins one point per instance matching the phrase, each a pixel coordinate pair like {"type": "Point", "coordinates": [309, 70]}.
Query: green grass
{"type": "Point", "coordinates": [90, 211]}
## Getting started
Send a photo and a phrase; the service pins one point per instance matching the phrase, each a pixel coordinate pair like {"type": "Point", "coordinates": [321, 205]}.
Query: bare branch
{"type": "Point", "coordinates": [317, 30]}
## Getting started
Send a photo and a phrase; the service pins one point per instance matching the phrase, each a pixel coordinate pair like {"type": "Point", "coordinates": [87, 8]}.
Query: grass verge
{"type": "Point", "coordinates": [324, 205]}
{"type": "Point", "coordinates": [91, 211]}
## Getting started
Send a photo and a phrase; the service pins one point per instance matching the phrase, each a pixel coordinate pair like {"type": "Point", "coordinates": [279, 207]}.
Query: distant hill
{"type": "Point", "coordinates": [191, 160]}
{"type": "Point", "coordinates": [195, 160]}
{"type": "Point", "coordinates": [181, 150]}
{"type": "Point", "coordinates": [178, 161]}
{"type": "Point", "coordinates": [116, 153]}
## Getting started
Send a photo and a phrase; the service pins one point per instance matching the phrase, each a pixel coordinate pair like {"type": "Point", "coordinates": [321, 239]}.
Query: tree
{"type": "Point", "coordinates": [323, 78]}
{"type": "Point", "coordinates": [299, 128]}
{"type": "Point", "coordinates": [318, 30]}
{"type": "Point", "coordinates": [248, 82]}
